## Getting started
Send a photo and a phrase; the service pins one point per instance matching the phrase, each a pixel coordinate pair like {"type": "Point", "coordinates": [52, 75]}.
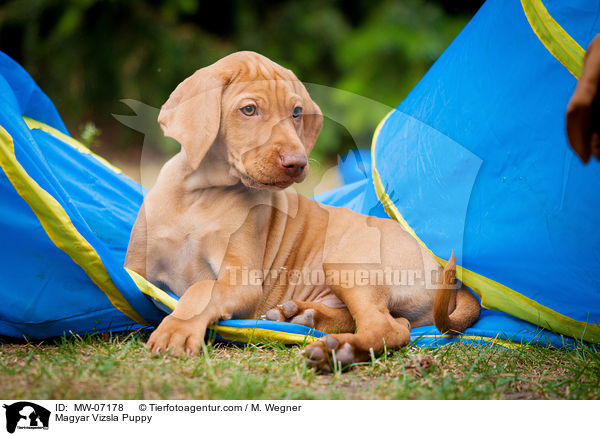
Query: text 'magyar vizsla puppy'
{"type": "Point", "coordinates": [220, 231]}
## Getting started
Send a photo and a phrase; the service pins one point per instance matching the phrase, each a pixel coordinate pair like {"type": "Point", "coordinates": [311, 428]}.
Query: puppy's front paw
{"type": "Point", "coordinates": [177, 336]}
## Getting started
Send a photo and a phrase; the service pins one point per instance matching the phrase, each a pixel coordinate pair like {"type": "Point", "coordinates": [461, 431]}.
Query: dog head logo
{"type": "Point", "coordinates": [26, 415]}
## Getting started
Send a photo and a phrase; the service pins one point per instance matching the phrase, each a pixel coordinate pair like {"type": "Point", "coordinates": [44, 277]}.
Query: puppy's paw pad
{"type": "Point", "coordinates": [289, 309]}
{"type": "Point", "coordinates": [316, 358]}
{"type": "Point", "coordinates": [274, 315]}
{"type": "Point", "coordinates": [330, 342]}
{"type": "Point", "coordinates": [328, 353]}
{"type": "Point", "coordinates": [306, 318]}
{"type": "Point", "coordinates": [314, 354]}
{"type": "Point", "coordinates": [290, 312]}
{"type": "Point", "coordinates": [345, 354]}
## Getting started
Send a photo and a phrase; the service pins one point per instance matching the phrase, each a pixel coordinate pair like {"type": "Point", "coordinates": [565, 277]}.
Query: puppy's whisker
{"type": "Point", "coordinates": [311, 159]}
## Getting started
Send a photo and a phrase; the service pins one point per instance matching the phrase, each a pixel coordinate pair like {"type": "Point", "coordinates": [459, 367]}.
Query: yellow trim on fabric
{"type": "Point", "coordinates": [152, 291]}
{"type": "Point", "coordinates": [259, 335]}
{"type": "Point", "coordinates": [34, 124]}
{"type": "Point", "coordinates": [558, 42]}
{"type": "Point", "coordinates": [235, 334]}
{"type": "Point", "coordinates": [493, 295]}
{"type": "Point", "coordinates": [59, 227]}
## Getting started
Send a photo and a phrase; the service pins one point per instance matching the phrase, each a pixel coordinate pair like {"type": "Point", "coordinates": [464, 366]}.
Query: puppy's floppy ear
{"type": "Point", "coordinates": [192, 114]}
{"type": "Point", "coordinates": [312, 122]}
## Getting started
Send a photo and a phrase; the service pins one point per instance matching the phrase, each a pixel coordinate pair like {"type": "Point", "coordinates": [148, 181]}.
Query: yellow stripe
{"type": "Point", "coordinates": [34, 124]}
{"type": "Point", "coordinates": [558, 42]}
{"type": "Point", "coordinates": [258, 335]}
{"type": "Point", "coordinates": [493, 295]}
{"type": "Point", "coordinates": [152, 291]}
{"type": "Point", "coordinates": [235, 334]}
{"type": "Point", "coordinates": [59, 227]}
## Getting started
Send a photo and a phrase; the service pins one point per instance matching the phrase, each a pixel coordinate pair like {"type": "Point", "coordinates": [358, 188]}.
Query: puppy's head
{"type": "Point", "coordinates": [258, 114]}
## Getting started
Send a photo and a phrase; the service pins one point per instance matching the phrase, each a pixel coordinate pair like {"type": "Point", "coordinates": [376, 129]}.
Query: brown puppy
{"type": "Point", "coordinates": [219, 230]}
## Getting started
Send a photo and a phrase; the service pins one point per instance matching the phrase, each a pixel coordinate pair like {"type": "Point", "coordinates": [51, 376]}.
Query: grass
{"type": "Point", "coordinates": [120, 367]}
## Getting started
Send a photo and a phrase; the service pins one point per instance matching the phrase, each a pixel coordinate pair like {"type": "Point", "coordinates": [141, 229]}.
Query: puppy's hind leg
{"type": "Point", "coordinates": [376, 329]}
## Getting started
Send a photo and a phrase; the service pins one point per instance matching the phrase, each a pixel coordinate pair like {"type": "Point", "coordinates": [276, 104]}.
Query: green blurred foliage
{"type": "Point", "coordinates": [87, 55]}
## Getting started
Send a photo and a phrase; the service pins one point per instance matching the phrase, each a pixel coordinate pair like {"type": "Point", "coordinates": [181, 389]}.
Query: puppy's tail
{"type": "Point", "coordinates": [454, 309]}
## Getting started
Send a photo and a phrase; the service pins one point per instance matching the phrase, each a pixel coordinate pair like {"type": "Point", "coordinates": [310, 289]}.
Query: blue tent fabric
{"type": "Point", "coordinates": [355, 165]}
{"type": "Point", "coordinates": [492, 327]}
{"type": "Point", "coordinates": [498, 183]}
{"type": "Point", "coordinates": [474, 160]}
{"type": "Point", "coordinates": [44, 293]}
{"type": "Point", "coordinates": [25, 97]}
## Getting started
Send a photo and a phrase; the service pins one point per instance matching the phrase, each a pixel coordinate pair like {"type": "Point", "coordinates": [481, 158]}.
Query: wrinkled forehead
{"type": "Point", "coordinates": [271, 84]}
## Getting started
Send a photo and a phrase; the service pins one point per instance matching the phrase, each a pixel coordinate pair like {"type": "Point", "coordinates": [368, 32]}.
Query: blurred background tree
{"type": "Point", "coordinates": [87, 55]}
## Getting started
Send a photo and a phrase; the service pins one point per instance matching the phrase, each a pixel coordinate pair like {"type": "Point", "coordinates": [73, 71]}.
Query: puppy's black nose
{"type": "Point", "coordinates": [293, 164]}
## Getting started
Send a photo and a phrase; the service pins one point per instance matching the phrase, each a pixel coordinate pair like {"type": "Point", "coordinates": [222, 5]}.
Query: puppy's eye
{"type": "Point", "coordinates": [297, 112]}
{"type": "Point", "coordinates": [249, 110]}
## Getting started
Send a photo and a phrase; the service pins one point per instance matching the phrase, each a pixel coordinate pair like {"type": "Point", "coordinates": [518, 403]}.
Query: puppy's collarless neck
{"type": "Point", "coordinates": [212, 173]}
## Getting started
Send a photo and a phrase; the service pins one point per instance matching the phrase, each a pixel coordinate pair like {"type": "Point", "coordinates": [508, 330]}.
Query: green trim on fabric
{"type": "Point", "coordinates": [493, 295]}
{"type": "Point", "coordinates": [34, 124]}
{"type": "Point", "coordinates": [558, 42]}
{"type": "Point", "coordinates": [59, 227]}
